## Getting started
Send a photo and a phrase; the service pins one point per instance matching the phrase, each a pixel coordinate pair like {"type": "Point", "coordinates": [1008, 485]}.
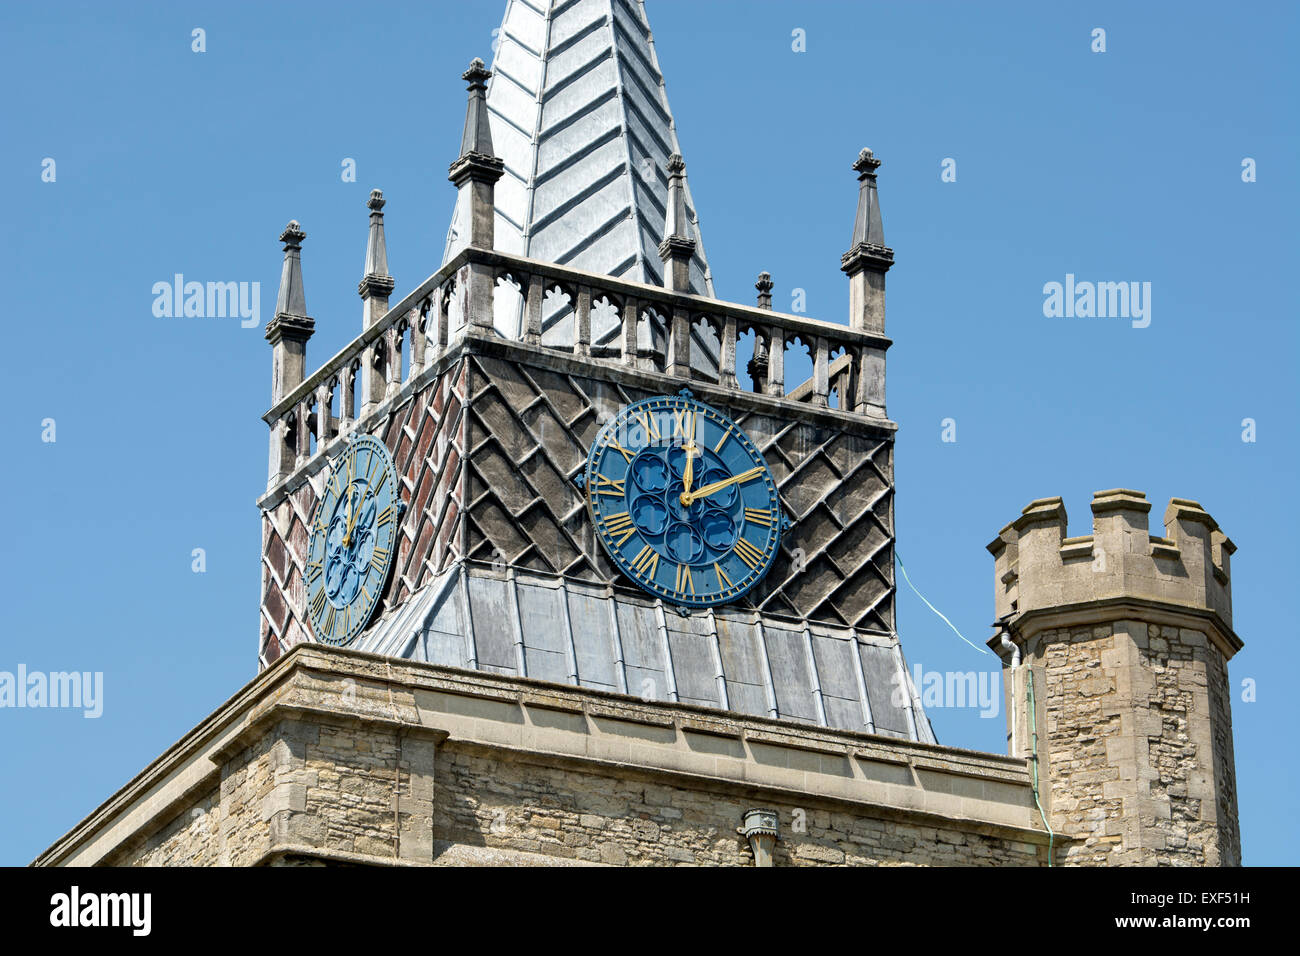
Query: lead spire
{"type": "Point", "coordinates": [579, 112]}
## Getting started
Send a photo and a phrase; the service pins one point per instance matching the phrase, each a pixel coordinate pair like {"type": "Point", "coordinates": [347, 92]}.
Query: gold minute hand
{"type": "Point", "coordinates": [689, 497]}
{"type": "Point", "coordinates": [352, 517]}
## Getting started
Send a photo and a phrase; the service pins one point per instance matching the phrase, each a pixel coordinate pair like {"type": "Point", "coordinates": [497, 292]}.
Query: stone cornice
{"type": "Point", "coordinates": [295, 328]}
{"type": "Point", "coordinates": [376, 286]}
{"type": "Point", "coordinates": [1027, 625]}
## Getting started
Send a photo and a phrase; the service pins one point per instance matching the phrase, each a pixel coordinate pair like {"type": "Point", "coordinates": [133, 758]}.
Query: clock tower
{"type": "Point", "coordinates": [566, 560]}
{"type": "Point", "coordinates": [607, 477]}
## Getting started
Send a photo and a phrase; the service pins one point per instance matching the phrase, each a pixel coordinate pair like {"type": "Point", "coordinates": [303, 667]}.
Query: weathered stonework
{"type": "Point", "coordinates": [332, 756]}
{"type": "Point", "coordinates": [1126, 638]}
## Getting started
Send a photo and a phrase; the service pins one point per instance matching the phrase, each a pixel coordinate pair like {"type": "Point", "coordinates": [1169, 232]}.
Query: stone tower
{"type": "Point", "coordinates": [1120, 641]}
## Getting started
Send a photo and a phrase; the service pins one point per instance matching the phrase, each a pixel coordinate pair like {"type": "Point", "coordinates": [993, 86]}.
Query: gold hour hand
{"type": "Point", "coordinates": [689, 497]}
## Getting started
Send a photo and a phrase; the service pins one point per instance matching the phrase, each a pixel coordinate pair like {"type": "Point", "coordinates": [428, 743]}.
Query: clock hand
{"type": "Point", "coordinates": [688, 477]}
{"type": "Point", "coordinates": [347, 532]}
{"type": "Point", "coordinates": [690, 497]}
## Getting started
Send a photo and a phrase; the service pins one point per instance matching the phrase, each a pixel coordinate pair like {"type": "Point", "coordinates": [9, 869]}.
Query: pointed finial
{"type": "Point", "coordinates": [764, 287]}
{"type": "Point", "coordinates": [868, 231]}
{"type": "Point", "coordinates": [866, 163]}
{"type": "Point", "coordinates": [678, 246]}
{"type": "Point", "coordinates": [290, 327]}
{"type": "Point", "coordinates": [477, 139]}
{"type": "Point", "coordinates": [675, 224]}
{"type": "Point", "coordinates": [375, 281]}
{"type": "Point", "coordinates": [291, 300]}
{"type": "Point", "coordinates": [477, 169]}
{"type": "Point", "coordinates": [868, 258]}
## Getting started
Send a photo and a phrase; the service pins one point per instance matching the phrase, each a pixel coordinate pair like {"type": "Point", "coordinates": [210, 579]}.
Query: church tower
{"type": "Point", "coordinates": [575, 301]}
{"type": "Point", "coordinates": [563, 562]}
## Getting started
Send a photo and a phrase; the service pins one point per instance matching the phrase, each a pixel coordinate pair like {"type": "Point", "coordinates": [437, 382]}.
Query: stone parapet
{"type": "Point", "coordinates": [1037, 566]}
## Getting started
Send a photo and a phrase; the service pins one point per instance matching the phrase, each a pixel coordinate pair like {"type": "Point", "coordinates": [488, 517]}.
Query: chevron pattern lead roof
{"type": "Point", "coordinates": [579, 113]}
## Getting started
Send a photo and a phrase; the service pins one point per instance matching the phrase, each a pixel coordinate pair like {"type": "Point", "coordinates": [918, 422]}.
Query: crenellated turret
{"type": "Point", "coordinates": [1115, 649]}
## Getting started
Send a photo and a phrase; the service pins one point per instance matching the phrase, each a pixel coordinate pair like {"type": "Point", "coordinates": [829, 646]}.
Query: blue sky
{"type": "Point", "coordinates": [1117, 166]}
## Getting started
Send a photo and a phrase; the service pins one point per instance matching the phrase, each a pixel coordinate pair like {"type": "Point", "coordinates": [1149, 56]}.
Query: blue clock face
{"type": "Point", "coordinates": [683, 501]}
{"type": "Point", "coordinates": [351, 544]}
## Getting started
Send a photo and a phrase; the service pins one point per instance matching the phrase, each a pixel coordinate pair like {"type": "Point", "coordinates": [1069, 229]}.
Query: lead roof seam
{"type": "Point", "coordinates": [620, 668]}
{"type": "Point", "coordinates": [769, 683]}
{"type": "Point", "coordinates": [862, 682]}
{"type": "Point", "coordinates": [724, 700]}
{"type": "Point", "coordinates": [570, 647]}
{"type": "Point", "coordinates": [818, 698]}
{"type": "Point", "coordinates": [513, 593]}
{"type": "Point", "coordinates": [471, 646]}
{"type": "Point", "coordinates": [669, 676]}
{"type": "Point", "coordinates": [909, 710]}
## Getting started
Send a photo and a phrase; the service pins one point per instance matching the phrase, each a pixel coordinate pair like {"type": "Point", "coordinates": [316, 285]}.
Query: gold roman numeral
{"type": "Point", "coordinates": [685, 422]}
{"type": "Point", "coordinates": [749, 554]}
{"type": "Point", "coordinates": [627, 455]}
{"type": "Point", "coordinates": [726, 433]}
{"type": "Point", "coordinates": [378, 557]}
{"type": "Point", "coordinates": [385, 516]}
{"type": "Point", "coordinates": [328, 626]}
{"type": "Point", "coordinates": [648, 425]}
{"type": "Point", "coordinates": [620, 524]}
{"type": "Point", "coordinates": [313, 571]}
{"type": "Point", "coordinates": [611, 487]}
{"type": "Point", "coordinates": [684, 580]}
{"type": "Point", "coordinates": [318, 602]}
{"type": "Point", "coordinates": [723, 580]}
{"type": "Point", "coordinates": [759, 516]}
{"type": "Point", "coordinates": [646, 562]}
{"type": "Point", "coordinates": [380, 483]}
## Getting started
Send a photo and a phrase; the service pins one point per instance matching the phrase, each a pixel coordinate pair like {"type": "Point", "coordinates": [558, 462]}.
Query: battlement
{"type": "Point", "coordinates": [1037, 566]}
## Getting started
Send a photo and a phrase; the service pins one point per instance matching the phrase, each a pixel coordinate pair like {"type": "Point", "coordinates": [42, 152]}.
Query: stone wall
{"type": "Point", "coordinates": [623, 821]}
{"type": "Point", "coordinates": [344, 758]}
{"type": "Point", "coordinates": [1140, 772]}
{"type": "Point", "coordinates": [327, 791]}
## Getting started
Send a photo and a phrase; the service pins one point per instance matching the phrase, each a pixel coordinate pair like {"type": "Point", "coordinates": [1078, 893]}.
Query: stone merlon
{"type": "Point", "coordinates": [1037, 567]}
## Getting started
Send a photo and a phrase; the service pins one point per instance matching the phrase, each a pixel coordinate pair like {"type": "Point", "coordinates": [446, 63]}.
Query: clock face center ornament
{"type": "Point", "coordinates": [683, 501]}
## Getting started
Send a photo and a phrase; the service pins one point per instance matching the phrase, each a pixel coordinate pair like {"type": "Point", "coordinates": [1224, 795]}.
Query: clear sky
{"type": "Point", "coordinates": [1117, 166]}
